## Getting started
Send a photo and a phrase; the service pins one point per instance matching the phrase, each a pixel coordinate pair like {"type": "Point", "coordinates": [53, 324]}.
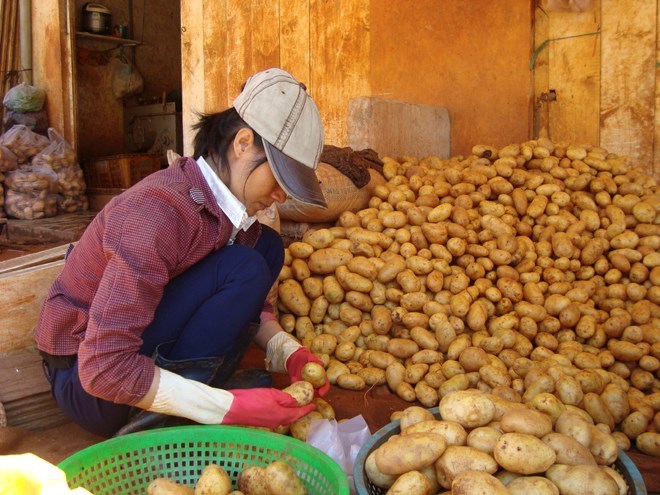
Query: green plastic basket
{"type": "Point", "coordinates": [126, 465]}
{"type": "Point", "coordinates": [623, 464]}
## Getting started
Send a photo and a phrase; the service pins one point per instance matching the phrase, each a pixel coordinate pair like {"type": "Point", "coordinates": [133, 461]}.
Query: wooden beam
{"type": "Point", "coordinates": [34, 259]}
{"type": "Point", "coordinates": [22, 293]}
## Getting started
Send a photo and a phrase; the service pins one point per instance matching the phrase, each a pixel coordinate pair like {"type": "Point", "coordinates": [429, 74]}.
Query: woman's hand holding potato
{"type": "Point", "coordinates": [304, 365]}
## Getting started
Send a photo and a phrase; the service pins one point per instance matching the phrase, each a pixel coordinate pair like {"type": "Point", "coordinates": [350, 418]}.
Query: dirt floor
{"type": "Point", "coordinates": [57, 443]}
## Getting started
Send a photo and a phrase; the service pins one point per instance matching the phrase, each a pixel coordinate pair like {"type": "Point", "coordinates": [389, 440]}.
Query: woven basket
{"type": "Point", "coordinates": [623, 464]}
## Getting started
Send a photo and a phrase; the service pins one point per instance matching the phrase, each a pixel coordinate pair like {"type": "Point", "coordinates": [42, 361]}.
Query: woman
{"type": "Point", "coordinates": [166, 288]}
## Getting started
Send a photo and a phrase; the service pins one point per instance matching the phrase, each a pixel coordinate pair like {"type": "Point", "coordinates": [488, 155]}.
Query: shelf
{"type": "Point", "coordinates": [107, 39]}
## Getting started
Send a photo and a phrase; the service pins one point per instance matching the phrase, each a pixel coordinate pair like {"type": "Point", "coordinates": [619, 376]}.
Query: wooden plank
{"type": "Point", "coordinates": [21, 296]}
{"type": "Point", "coordinates": [628, 81]}
{"type": "Point", "coordinates": [192, 68]}
{"type": "Point", "coordinates": [294, 40]}
{"type": "Point", "coordinates": [239, 44]}
{"type": "Point", "coordinates": [574, 72]}
{"type": "Point", "coordinates": [656, 138]}
{"type": "Point", "coordinates": [34, 259]}
{"type": "Point", "coordinates": [540, 121]}
{"type": "Point", "coordinates": [340, 47]}
{"type": "Point", "coordinates": [215, 41]}
{"type": "Point", "coordinates": [265, 37]}
{"type": "Point", "coordinates": [25, 392]}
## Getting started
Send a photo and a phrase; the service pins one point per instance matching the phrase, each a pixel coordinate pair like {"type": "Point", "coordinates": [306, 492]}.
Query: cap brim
{"type": "Point", "coordinates": [297, 180]}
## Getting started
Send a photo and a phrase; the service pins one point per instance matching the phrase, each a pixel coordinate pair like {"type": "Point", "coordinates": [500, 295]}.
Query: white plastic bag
{"type": "Point", "coordinates": [340, 441]}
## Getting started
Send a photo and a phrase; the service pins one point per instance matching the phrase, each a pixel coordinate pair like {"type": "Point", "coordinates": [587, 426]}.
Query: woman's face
{"type": "Point", "coordinates": [252, 180]}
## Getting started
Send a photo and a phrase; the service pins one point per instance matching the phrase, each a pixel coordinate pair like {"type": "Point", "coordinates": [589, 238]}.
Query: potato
{"type": "Point", "coordinates": [314, 373]}
{"type": "Point", "coordinates": [569, 451]}
{"type": "Point", "coordinates": [374, 475]}
{"type": "Point", "coordinates": [537, 485]}
{"type": "Point", "coordinates": [649, 443]}
{"type": "Point", "coordinates": [252, 481]}
{"type": "Point", "coordinates": [324, 408]}
{"type": "Point", "coordinates": [453, 432]}
{"type": "Point", "coordinates": [407, 453]}
{"type": "Point", "coordinates": [526, 421]}
{"type": "Point", "coordinates": [283, 480]}
{"type": "Point", "coordinates": [483, 438]}
{"type": "Point", "coordinates": [523, 453]}
{"type": "Point", "coordinates": [302, 391]}
{"type": "Point", "coordinates": [603, 447]}
{"type": "Point", "coordinates": [214, 480]}
{"type": "Point", "coordinates": [582, 480]}
{"type": "Point", "coordinates": [412, 415]}
{"type": "Point", "coordinates": [468, 408]}
{"type": "Point", "coordinates": [457, 459]}
{"type": "Point", "coordinates": [325, 261]}
{"type": "Point", "coordinates": [410, 483]}
{"type": "Point", "coordinates": [293, 298]}
{"type": "Point", "coordinates": [165, 486]}
{"type": "Point", "coordinates": [299, 429]}
{"type": "Point", "coordinates": [473, 482]}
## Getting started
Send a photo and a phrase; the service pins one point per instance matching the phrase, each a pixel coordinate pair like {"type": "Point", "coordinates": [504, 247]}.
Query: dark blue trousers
{"type": "Point", "coordinates": [204, 313]}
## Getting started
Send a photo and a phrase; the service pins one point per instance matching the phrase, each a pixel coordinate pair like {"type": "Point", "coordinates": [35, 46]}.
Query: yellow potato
{"type": "Point", "coordinates": [537, 485]}
{"type": "Point", "coordinates": [325, 261]}
{"type": "Point", "coordinates": [526, 421]}
{"type": "Point", "coordinates": [302, 391]}
{"type": "Point", "coordinates": [453, 433]}
{"type": "Point", "coordinates": [412, 452]}
{"type": "Point", "coordinates": [457, 459]}
{"type": "Point", "coordinates": [468, 408]}
{"type": "Point", "coordinates": [283, 480]}
{"type": "Point", "coordinates": [569, 451]}
{"type": "Point", "coordinates": [374, 475]}
{"type": "Point", "coordinates": [314, 373]}
{"type": "Point", "coordinates": [649, 443]}
{"type": "Point", "coordinates": [293, 298]}
{"type": "Point", "coordinates": [213, 481]}
{"type": "Point", "coordinates": [523, 453]}
{"type": "Point", "coordinates": [473, 482]}
{"type": "Point", "coordinates": [483, 438]}
{"type": "Point", "coordinates": [411, 483]}
{"type": "Point", "coordinates": [582, 479]}
{"type": "Point", "coordinates": [165, 486]}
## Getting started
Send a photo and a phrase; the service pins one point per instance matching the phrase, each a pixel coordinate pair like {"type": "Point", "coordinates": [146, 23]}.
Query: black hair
{"type": "Point", "coordinates": [216, 133]}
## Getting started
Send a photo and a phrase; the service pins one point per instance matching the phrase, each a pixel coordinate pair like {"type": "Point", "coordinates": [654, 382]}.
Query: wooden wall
{"type": "Point", "coordinates": [470, 57]}
{"type": "Point", "coordinates": [323, 43]}
{"type": "Point", "coordinates": [601, 62]}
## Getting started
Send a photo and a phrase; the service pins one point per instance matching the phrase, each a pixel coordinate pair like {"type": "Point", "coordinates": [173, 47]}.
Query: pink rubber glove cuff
{"type": "Point", "coordinates": [267, 407]}
{"type": "Point", "coordinates": [296, 363]}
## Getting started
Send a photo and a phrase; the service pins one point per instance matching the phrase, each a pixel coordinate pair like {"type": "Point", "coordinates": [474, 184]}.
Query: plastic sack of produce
{"type": "Point", "coordinates": [57, 154]}
{"type": "Point", "coordinates": [31, 192]}
{"type": "Point", "coordinates": [8, 160]}
{"type": "Point", "coordinates": [340, 194]}
{"type": "Point", "coordinates": [72, 204]}
{"type": "Point", "coordinates": [24, 98]}
{"type": "Point", "coordinates": [35, 121]}
{"type": "Point", "coordinates": [126, 80]}
{"type": "Point", "coordinates": [23, 142]}
{"type": "Point", "coordinates": [71, 181]}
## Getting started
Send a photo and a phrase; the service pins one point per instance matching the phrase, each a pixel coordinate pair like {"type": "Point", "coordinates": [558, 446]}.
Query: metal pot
{"type": "Point", "coordinates": [96, 18]}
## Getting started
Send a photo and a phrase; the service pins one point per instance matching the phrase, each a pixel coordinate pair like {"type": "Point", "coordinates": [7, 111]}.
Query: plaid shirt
{"type": "Point", "coordinates": [114, 278]}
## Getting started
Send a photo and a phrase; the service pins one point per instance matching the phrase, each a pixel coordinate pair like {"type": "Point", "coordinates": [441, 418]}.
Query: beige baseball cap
{"type": "Point", "coordinates": [279, 109]}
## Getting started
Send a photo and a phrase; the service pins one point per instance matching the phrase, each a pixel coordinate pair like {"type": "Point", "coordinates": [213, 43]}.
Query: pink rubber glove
{"type": "Point", "coordinates": [297, 361]}
{"type": "Point", "coordinates": [267, 407]}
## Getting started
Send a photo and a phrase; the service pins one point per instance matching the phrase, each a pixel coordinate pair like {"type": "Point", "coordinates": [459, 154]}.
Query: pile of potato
{"type": "Point", "coordinates": [486, 444]}
{"type": "Point", "coordinates": [531, 273]}
{"type": "Point", "coordinates": [277, 478]}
